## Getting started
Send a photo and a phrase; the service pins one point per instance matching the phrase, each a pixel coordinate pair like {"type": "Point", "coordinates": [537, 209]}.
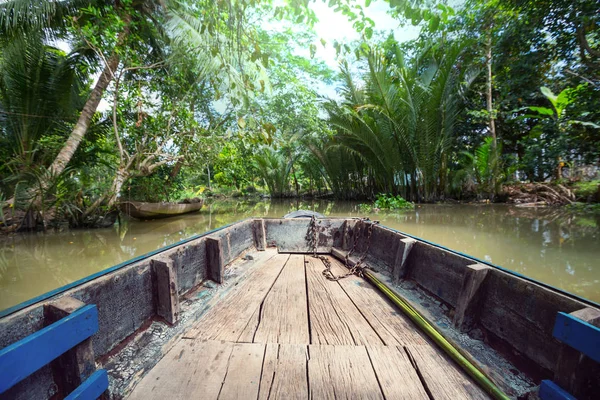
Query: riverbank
{"type": "Point", "coordinates": [576, 196]}
{"type": "Point", "coordinates": [551, 244]}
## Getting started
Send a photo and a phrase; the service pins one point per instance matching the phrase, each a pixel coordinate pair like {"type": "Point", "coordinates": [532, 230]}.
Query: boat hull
{"type": "Point", "coordinates": [176, 285]}
{"type": "Point", "coordinates": [142, 210]}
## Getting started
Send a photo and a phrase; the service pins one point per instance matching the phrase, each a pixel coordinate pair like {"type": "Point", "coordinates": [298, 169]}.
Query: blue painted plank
{"type": "Point", "coordinates": [21, 359]}
{"type": "Point", "coordinates": [551, 391]}
{"type": "Point", "coordinates": [578, 334]}
{"type": "Point", "coordinates": [92, 388]}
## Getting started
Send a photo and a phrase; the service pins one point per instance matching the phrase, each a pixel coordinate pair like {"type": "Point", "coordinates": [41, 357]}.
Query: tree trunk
{"type": "Point", "coordinates": [208, 171]}
{"type": "Point", "coordinates": [89, 109]}
{"type": "Point", "coordinates": [489, 94]}
{"type": "Point", "coordinates": [115, 190]}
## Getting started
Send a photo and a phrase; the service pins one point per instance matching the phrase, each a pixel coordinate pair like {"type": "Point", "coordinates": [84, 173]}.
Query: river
{"type": "Point", "coordinates": [551, 245]}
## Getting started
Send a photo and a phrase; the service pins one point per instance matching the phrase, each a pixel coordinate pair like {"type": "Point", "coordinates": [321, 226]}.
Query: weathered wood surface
{"type": "Point", "coordinates": [391, 325]}
{"type": "Point", "coordinates": [76, 365]}
{"type": "Point", "coordinates": [442, 377]}
{"type": "Point", "coordinates": [400, 271]}
{"type": "Point", "coordinates": [167, 294]}
{"type": "Point", "coordinates": [242, 379]}
{"type": "Point", "coordinates": [260, 236]}
{"type": "Point", "coordinates": [215, 259]}
{"type": "Point", "coordinates": [341, 372]}
{"type": "Point", "coordinates": [227, 319]}
{"type": "Point", "coordinates": [191, 369]}
{"type": "Point", "coordinates": [283, 315]}
{"type": "Point", "coordinates": [577, 373]}
{"type": "Point", "coordinates": [334, 319]}
{"type": "Point", "coordinates": [396, 375]}
{"type": "Point", "coordinates": [469, 301]}
{"type": "Point", "coordinates": [23, 358]}
{"type": "Point", "coordinates": [284, 373]}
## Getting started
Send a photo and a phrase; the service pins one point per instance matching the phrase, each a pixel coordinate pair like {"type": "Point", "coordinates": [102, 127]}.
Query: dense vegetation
{"type": "Point", "coordinates": [152, 100]}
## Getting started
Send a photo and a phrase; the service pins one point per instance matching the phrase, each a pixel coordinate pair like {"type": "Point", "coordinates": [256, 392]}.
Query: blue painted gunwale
{"type": "Point", "coordinates": [62, 289]}
{"type": "Point", "coordinates": [23, 358]}
{"type": "Point", "coordinates": [92, 388]}
{"type": "Point", "coordinates": [55, 292]}
{"type": "Point", "coordinates": [578, 334]}
{"type": "Point", "coordinates": [551, 391]}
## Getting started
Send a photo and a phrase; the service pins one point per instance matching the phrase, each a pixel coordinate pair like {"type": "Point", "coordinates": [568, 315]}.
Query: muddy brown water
{"type": "Point", "coordinates": [554, 246]}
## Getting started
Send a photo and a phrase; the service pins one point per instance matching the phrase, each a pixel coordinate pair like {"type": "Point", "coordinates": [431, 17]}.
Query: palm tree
{"type": "Point", "coordinates": [40, 92]}
{"type": "Point", "coordinates": [400, 123]}
{"type": "Point", "coordinates": [205, 26]}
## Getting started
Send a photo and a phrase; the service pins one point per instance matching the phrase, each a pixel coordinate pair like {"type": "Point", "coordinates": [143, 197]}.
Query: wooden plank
{"type": "Point", "coordinates": [228, 318]}
{"type": "Point", "coordinates": [396, 375]}
{"type": "Point", "coordinates": [441, 376]}
{"type": "Point", "coordinates": [215, 259]}
{"type": "Point", "coordinates": [400, 271]}
{"type": "Point", "coordinates": [341, 372]}
{"type": "Point", "coordinates": [242, 379]}
{"type": "Point", "coordinates": [76, 365]}
{"type": "Point", "coordinates": [334, 319]}
{"type": "Point", "coordinates": [191, 369]}
{"type": "Point", "coordinates": [469, 299]}
{"type": "Point", "coordinates": [551, 391]}
{"type": "Point", "coordinates": [578, 334]}
{"type": "Point", "coordinates": [260, 236]}
{"type": "Point", "coordinates": [21, 359]}
{"type": "Point", "coordinates": [576, 373]}
{"type": "Point", "coordinates": [284, 312]}
{"type": "Point", "coordinates": [167, 294]}
{"type": "Point", "coordinates": [284, 373]}
{"type": "Point", "coordinates": [92, 388]}
{"type": "Point", "coordinates": [390, 324]}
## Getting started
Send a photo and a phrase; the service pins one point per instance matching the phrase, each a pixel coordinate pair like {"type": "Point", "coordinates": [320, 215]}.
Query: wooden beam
{"type": "Point", "coordinates": [92, 388]}
{"type": "Point", "coordinates": [167, 293]}
{"type": "Point", "coordinates": [466, 312]}
{"type": "Point", "coordinates": [578, 334]}
{"type": "Point", "coordinates": [575, 372]}
{"type": "Point", "coordinates": [215, 266]}
{"type": "Point", "coordinates": [260, 236]}
{"type": "Point", "coordinates": [72, 368]}
{"type": "Point", "coordinates": [21, 359]}
{"type": "Point", "coordinates": [551, 391]}
{"type": "Point", "coordinates": [400, 270]}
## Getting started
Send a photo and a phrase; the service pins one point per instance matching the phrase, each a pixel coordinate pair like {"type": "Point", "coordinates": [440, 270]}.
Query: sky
{"type": "Point", "coordinates": [334, 26]}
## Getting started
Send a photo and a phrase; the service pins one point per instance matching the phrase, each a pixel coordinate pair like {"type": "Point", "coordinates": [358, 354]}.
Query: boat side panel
{"type": "Point", "coordinates": [436, 270]}
{"type": "Point", "coordinates": [12, 329]}
{"type": "Point", "coordinates": [240, 238]}
{"type": "Point", "coordinates": [523, 314]}
{"type": "Point", "coordinates": [289, 235]}
{"type": "Point", "coordinates": [190, 262]}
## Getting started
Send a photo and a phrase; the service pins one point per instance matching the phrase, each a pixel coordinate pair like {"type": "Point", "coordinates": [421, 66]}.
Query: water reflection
{"type": "Point", "coordinates": [554, 246]}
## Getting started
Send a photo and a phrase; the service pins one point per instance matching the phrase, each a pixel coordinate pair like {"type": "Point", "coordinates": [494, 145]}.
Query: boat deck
{"type": "Point", "coordinates": [284, 331]}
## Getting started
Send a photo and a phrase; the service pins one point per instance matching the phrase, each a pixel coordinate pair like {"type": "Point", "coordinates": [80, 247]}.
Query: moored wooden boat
{"type": "Point", "coordinates": [247, 312]}
{"type": "Point", "coordinates": [143, 210]}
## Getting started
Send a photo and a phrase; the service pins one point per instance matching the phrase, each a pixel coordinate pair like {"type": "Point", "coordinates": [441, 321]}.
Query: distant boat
{"type": "Point", "coordinates": [142, 210]}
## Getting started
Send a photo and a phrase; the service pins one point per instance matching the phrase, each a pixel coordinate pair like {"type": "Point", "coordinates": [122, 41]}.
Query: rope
{"type": "Point", "coordinates": [362, 271]}
{"type": "Point", "coordinates": [358, 269]}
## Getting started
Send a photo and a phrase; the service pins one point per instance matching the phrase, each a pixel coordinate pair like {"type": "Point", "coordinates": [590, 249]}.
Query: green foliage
{"type": "Point", "coordinates": [587, 189]}
{"type": "Point", "coordinates": [386, 202]}
{"type": "Point", "coordinates": [390, 202]}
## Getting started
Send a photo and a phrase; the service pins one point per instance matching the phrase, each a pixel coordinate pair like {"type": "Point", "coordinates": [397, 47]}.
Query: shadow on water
{"type": "Point", "coordinates": [555, 246]}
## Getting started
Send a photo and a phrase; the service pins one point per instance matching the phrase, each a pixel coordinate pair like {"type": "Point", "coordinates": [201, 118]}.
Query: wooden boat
{"type": "Point", "coordinates": [142, 210]}
{"type": "Point", "coordinates": [247, 311]}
